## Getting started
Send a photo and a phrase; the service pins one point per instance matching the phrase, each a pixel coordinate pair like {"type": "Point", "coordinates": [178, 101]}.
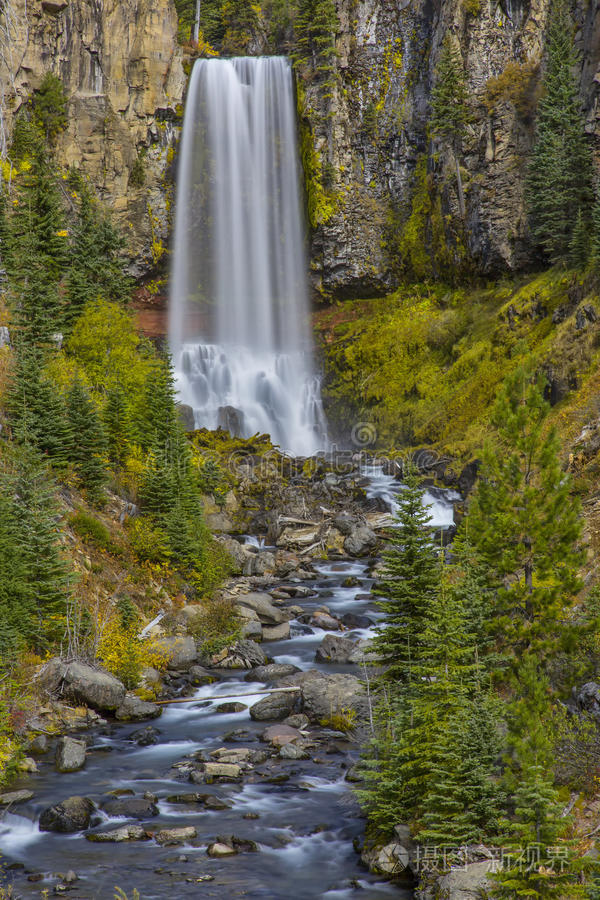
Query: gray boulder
{"type": "Point", "coordinates": [274, 707]}
{"type": "Point", "coordinates": [170, 836]}
{"type": "Point", "coordinates": [243, 655]}
{"type": "Point", "coordinates": [253, 630]}
{"type": "Point", "coordinates": [271, 672]}
{"type": "Point", "coordinates": [276, 632]}
{"type": "Point", "coordinates": [129, 807]}
{"type": "Point", "coordinates": [324, 695]}
{"type": "Point", "coordinates": [468, 882]}
{"type": "Point", "coordinates": [185, 415]}
{"type": "Point", "coordinates": [12, 797]}
{"type": "Point", "coordinates": [361, 541]}
{"type": "Point", "coordinates": [335, 649]}
{"type": "Point", "coordinates": [267, 612]}
{"type": "Point", "coordinates": [67, 817]}
{"type": "Point", "coordinates": [82, 683]}
{"type": "Point", "coordinates": [179, 651]}
{"type": "Point", "coordinates": [70, 755]}
{"type": "Point", "coordinates": [238, 553]}
{"type": "Point", "coordinates": [132, 709]}
{"type": "Point", "coordinates": [119, 835]}
{"type": "Point", "coordinates": [588, 699]}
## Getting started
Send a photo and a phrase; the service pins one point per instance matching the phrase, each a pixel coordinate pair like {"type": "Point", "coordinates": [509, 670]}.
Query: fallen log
{"type": "Point", "coordinates": [284, 690]}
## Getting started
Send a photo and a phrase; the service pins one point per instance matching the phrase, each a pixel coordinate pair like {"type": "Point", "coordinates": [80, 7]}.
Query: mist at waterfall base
{"type": "Point", "coordinates": [239, 309]}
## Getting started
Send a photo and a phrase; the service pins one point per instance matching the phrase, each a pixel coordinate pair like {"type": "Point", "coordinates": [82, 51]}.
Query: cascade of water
{"type": "Point", "coordinates": [239, 300]}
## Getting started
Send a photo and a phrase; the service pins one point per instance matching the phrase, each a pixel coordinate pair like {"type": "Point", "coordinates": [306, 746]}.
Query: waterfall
{"type": "Point", "coordinates": [239, 311]}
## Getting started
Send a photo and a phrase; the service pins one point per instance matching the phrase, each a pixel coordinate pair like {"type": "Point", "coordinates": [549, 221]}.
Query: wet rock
{"type": "Point", "coordinates": [175, 835]}
{"type": "Point", "coordinates": [12, 797]}
{"type": "Point", "coordinates": [275, 706]}
{"type": "Point", "coordinates": [119, 835]}
{"type": "Point", "coordinates": [325, 621]}
{"type": "Point", "coordinates": [221, 770]}
{"type": "Point", "coordinates": [276, 632]}
{"type": "Point", "coordinates": [232, 707]}
{"type": "Point", "coordinates": [38, 745]}
{"type": "Point", "coordinates": [199, 675]}
{"type": "Point", "coordinates": [299, 720]}
{"type": "Point", "coordinates": [146, 737]}
{"type": "Point", "coordinates": [178, 650]}
{"type": "Point", "coordinates": [233, 755]}
{"type": "Point", "coordinates": [323, 695]}
{"type": "Point", "coordinates": [82, 683]}
{"type": "Point", "coordinates": [361, 541]}
{"type": "Point", "coordinates": [335, 649]}
{"type": "Point", "coordinates": [353, 775]}
{"type": "Point", "coordinates": [129, 807]}
{"type": "Point", "coordinates": [242, 845]}
{"type": "Point", "coordinates": [28, 765]}
{"type": "Point", "coordinates": [185, 415]}
{"type": "Point", "coordinates": [220, 851]}
{"type": "Point", "coordinates": [362, 654]}
{"type": "Point", "coordinates": [352, 620]}
{"type": "Point", "coordinates": [67, 817]}
{"type": "Point", "coordinates": [253, 630]}
{"type": "Point", "coordinates": [243, 655]}
{"type": "Point", "coordinates": [271, 672]}
{"type": "Point", "coordinates": [262, 605]}
{"type": "Point", "coordinates": [70, 755]}
{"type": "Point", "coordinates": [279, 735]}
{"type": "Point", "coordinates": [293, 751]}
{"type": "Point", "coordinates": [132, 709]}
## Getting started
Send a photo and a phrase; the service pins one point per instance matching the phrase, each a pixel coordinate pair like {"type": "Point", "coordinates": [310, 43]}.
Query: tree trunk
{"type": "Point", "coordinates": [459, 186]}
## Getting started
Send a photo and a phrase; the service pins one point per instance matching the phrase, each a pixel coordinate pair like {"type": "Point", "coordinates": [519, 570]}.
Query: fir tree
{"type": "Point", "coordinates": [89, 442]}
{"type": "Point", "coordinates": [16, 601]}
{"type": "Point", "coordinates": [579, 246]}
{"type": "Point", "coordinates": [117, 424]}
{"type": "Point", "coordinates": [46, 571]}
{"type": "Point", "coordinates": [407, 588]}
{"type": "Point", "coordinates": [240, 20]}
{"type": "Point", "coordinates": [559, 181]}
{"type": "Point", "coordinates": [595, 234]}
{"type": "Point", "coordinates": [449, 106]}
{"type": "Point", "coordinates": [525, 524]}
{"type": "Point", "coordinates": [315, 27]}
{"type": "Point", "coordinates": [50, 107]}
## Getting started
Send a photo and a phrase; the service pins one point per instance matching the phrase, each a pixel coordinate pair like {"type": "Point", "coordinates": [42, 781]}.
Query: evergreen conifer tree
{"type": "Point", "coordinates": [559, 181]}
{"type": "Point", "coordinates": [449, 106]}
{"type": "Point", "coordinates": [579, 246]}
{"type": "Point", "coordinates": [315, 27]}
{"type": "Point", "coordinates": [88, 449]}
{"type": "Point", "coordinates": [525, 524]}
{"type": "Point", "coordinates": [595, 234]}
{"type": "Point", "coordinates": [16, 601]}
{"type": "Point", "coordinates": [408, 587]}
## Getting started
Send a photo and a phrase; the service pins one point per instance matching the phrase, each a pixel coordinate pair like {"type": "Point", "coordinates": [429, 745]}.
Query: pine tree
{"type": "Point", "coordinates": [50, 107]}
{"type": "Point", "coordinates": [240, 20]}
{"type": "Point", "coordinates": [559, 181]}
{"type": "Point", "coordinates": [95, 266]}
{"type": "Point", "coordinates": [39, 535]}
{"type": "Point", "coordinates": [89, 442]}
{"type": "Point", "coordinates": [525, 524]}
{"type": "Point", "coordinates": [36, 408]}
{"type": "Point", "coordinates": [449, 106]}
{"type": "Point", "coordinates": [117, 424]}
{"type": "Point", "coordinates": [407, 588]}
{"type": "Point", "coordinates": [315, 28]}
{"type": "Point", "coordinates": [16, 601]}
{"type": "Point", "coordinates": [595, 233]}
{"type": "Point", "coordinates": [579, 246]}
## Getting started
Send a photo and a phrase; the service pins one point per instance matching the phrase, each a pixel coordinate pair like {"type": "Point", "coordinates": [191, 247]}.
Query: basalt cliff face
{"type": "Point", "coordinates": [374, 129]}
{"type": "Point", "coordinates": [122, 69]}
{"type": "Point", "coordinates": [361, 138]}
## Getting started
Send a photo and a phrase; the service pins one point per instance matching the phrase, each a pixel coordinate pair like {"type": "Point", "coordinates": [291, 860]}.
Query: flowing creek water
{"type": "Point", "coordinates": [305, 826]}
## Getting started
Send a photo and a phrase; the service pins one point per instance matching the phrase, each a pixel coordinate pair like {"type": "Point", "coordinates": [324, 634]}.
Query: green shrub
{"type": "Point", "coordinates": [91, 530]}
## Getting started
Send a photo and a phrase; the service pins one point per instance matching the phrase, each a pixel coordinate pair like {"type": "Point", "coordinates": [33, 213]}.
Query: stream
{"type": "Point", "coordinates": [304, 826]}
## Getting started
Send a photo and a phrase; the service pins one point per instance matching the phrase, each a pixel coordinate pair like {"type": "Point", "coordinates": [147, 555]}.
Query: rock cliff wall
{"type": "Point", "coordinates": [374, 128]}
{"type": "Point", "coordinates": [122, 70]}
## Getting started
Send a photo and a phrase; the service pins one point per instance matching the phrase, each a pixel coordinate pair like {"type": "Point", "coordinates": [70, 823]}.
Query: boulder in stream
{"type": "Point", "coordinates": [335, 649]}
{"type": "Point", "coordinates": [274, 706]}
{"type": "Point", "coordinates": [276, 632]}
{"type": "Point", "coordinates": [263, 606]}
{"type": "Point", "coordinates": [132, 709]}
{"type": "Point", "coordinates": [175, 835]}
{"type": "Point", "coordinates": [243, 655]}
{"type": "Point", "coordinates": [129, 807]}
{"type": "Point", "coordinates": [71, 815]}
{"type": "Point", "coordinates": [119, 835]}
{"type": "Point", "coordinates": [82, 683]}
{"type": "Point", "coordinates": [70, 754]}
{"type": "Point", "coordinates": [12, 797]}
{"type": "Point", "coordinates": [361, 541]}
{"type": "Point", "coordinates": [271, 672]}
{"type": "Point", "coordinates": [325, 695]}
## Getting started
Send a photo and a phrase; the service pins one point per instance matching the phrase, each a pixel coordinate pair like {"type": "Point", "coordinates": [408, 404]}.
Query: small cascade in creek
{"type": "Point", "coordinates": [239, 310]}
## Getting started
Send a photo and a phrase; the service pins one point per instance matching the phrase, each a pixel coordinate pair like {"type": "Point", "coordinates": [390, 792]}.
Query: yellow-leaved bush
{"type": "Point", "coordinates": [125, 655]}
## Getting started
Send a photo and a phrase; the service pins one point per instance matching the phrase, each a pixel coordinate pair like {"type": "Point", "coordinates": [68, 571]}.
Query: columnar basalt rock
{"type": "Point", "coordinates": [122, 70]}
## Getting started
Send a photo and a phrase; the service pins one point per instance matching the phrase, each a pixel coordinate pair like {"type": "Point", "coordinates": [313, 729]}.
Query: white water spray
{"type": "Point", "coordinates": [239, 300]}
